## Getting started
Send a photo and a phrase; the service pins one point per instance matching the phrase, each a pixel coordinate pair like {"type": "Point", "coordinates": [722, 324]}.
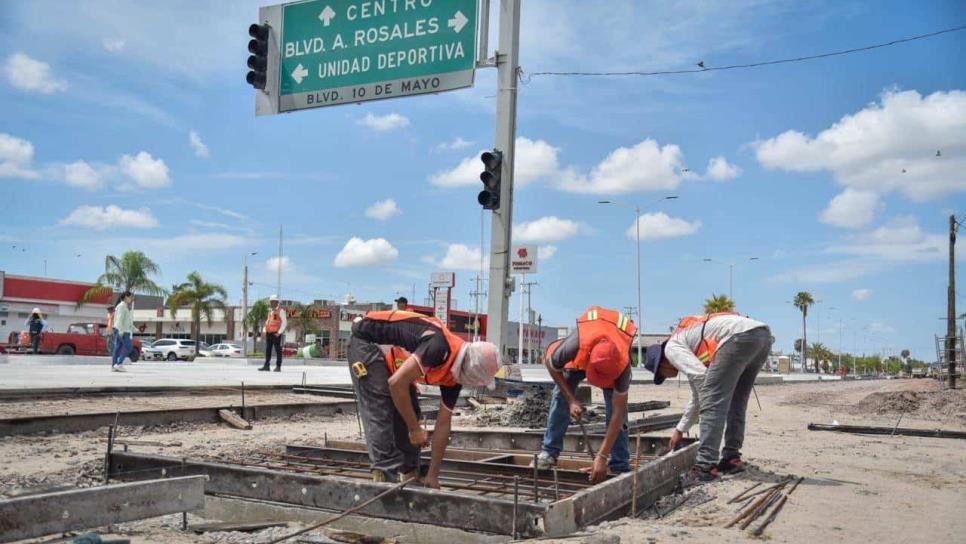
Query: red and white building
{"type": "Point", "coordinates": [55, 298]}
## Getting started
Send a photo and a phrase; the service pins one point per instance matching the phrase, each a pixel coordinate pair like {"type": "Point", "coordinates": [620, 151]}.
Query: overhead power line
{"type": "Point", "coordinates": [703, 68]}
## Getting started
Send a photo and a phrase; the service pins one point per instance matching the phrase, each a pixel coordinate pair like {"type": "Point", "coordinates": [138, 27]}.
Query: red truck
{"type": "Point", "coordinates": [80, 339]}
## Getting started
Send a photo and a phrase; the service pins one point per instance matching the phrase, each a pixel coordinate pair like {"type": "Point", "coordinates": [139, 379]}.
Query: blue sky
{"type": "Point", "coordinates": [800, 165]}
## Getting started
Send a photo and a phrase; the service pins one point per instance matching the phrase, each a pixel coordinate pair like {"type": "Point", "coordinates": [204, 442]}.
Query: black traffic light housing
{"type": "Point", "coordinates": [258, 61]}
{"type": "Point", "coordinates": [489, 197]}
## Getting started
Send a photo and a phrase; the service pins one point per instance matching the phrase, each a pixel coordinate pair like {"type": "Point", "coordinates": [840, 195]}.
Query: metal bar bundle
{"type": "Point", "coordinates": [861, 429]}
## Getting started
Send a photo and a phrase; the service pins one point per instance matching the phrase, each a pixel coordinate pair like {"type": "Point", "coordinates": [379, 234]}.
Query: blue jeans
{"type": "Point", "coordinates": [559, 420]}
{"type": "Point", "coordinates": [112, 342]}
{"type": "Point", "coordinates": [122, 348]}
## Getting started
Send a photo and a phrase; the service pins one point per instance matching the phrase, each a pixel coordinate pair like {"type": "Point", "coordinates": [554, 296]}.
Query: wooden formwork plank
{"type": "Point", "coordinates": [49, 513]}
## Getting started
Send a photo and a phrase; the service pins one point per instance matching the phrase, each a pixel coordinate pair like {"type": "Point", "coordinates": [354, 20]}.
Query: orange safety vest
{"type": "Point", "coordinates": [274, 322]}
{"type": "Point", "coordinates": [707, 347]}
{"type": "Point", "coordinates": [597, 324]}
{"type": "Point", "coordinates": [439, 375]}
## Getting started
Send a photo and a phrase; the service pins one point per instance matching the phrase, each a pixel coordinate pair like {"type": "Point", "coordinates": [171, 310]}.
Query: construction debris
{"type": "Point", "coordinates": [896, 431]}
{"type": "Point", "coordinates": [242, 527]}
{"type": "Point", "coordinates": [234, 420]}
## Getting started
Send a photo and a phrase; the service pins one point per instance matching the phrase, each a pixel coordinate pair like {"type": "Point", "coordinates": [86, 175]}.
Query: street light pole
{"type": "Point", "coordinates": [245, 305]}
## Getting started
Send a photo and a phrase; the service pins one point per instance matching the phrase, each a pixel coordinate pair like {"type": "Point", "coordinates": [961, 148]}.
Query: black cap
{"type": "Point", "coordinates": [401, 300]}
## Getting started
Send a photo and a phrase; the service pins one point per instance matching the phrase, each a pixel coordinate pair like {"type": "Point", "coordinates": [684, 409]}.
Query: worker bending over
{"type": "Point", "coordinates": [598, 349]}
{"type": "Point", "coordinates": [721, 355]}
{"type": "Point", "coordinates": [386, 387]}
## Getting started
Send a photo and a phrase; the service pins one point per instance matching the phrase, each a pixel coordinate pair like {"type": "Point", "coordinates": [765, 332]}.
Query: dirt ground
{"type": "Point", "coordinates": [856, 488]}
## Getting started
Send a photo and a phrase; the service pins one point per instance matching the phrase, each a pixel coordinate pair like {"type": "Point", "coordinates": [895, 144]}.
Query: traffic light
{"type": "Point", "coordinates": [489, 197]}
{"type": "Point", "coordinates": [258, 61]}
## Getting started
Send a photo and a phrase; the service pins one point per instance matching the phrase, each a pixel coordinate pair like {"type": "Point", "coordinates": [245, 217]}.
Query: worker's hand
{"type": "Point", "coordinates": [576, 411]}
{"type": "Point", "coordinates": [676, 437]}
{"type": "Point", "coordinates": [419, 437]}
{"type": "Point", "coordinates": [599, 470]}
{"type": "Point", "coordinates": [432, 483]}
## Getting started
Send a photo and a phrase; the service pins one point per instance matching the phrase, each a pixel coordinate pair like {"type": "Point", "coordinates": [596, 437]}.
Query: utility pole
{"type": "Point", "coordinates": [278, 288]}
{"type": "Point", "coordinates": [528, 289]}
{"type": "Point", "coordinates": [951, 305]}
{"type": "Point", "coordinates": [507, 62]}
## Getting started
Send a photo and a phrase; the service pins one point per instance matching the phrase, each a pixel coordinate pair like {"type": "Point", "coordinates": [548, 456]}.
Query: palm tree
{"type": "Point", "coordinates": [304, 318]}
{"type": "Point", "coordinates": [257, 314]}
{"type": "Point", "coordinates": [131, 272]}
{"type": "Point", "coordinates": [802, 301]}
{"type": "Point", "coordinates": [202, 297]}
{"type": "Point", "coordinates": [718, 303]}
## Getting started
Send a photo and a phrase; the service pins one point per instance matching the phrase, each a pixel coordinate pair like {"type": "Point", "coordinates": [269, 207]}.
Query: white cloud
{"type": "Point", "coordinates": [535, 159]}
{"type": "Point", "coordinates": [16, 154]}
{"type": "Point", "coordinates": [81, 174]}
{"type": "Point", "coordinates": [545, 253]}
{"type": "Point", "coordinates": [113, 45]}
{"type": "Point", "coordinates": [274, 263]}
{"type": "Point", "coordinates": [383, 210]}
{"type": "Point", "coordinates": [834, 272]}
{"type": "Point", "coordinates": [359, 252]}
{"type": "Point", "coordinates": [384, 123]}
{"type": "Point", "coordinates": [643, 167]}
{"type": "Point", "coordinates": [98, 218]}
{"type": "Point", "coordinates": [29, 74]}
{"type": "Point", "coordinates": [146, 171]}
{"type": "Point", "coordinates": [900, 240]}
{"type": "Point", "coordinates": [851, 209]}
{"type": "Point", "coordinates": [545, 229]}
{"type": "Point", "coordinates": [659, 225]}
{"type": "Point", "coordinates": [720, 170]}
{"type": "Point", "coordinates": [458, 144]}
{"type": "Point", "coordinates": [885, 147]}
{"type": "Point", "coordinates": [861, 294]}
{"type": "Point", "coordinates": [201, 150]}
{"type": "Point", "coordinates": [459, 257]}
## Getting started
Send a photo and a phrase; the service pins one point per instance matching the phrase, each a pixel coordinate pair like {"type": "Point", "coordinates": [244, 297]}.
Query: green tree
{"type": "Point", "coordinates": [802, 301]}
{"type": "Point", "coordinates": [304, 318]}
{"type": "Point", "coordinates": [821, 354]}
{"type": "Point", "coordinates": [131, 272]}
{"type": "Point", "coordinates": [201, 297]}
{"type": "Point", "coordinates": [718, 303]}
{"type": "Point", "coordinates": [257, 315]}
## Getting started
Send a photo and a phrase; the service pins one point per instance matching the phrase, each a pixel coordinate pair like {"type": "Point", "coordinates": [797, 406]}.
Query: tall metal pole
{"type": "Point", "coordinates": [523, 287]}
{"type": "Point", "coordinates": [278, 288]}
{"type": "Point", "coordinates": [951, 306]}
{"type": "Point", "coordinates": [640, 318]}
{"type": "Point", "coordinates": [245, 309]}
{"type": "Point", "coordinates": [507, 63]}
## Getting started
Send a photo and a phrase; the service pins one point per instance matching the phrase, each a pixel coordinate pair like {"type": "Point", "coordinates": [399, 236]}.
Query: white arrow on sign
{"type": "Point", "coordinates": [458, 21]}
{"type": "Point", "coordinates": [326, 15]}
{"type": "Point", "coordinates": [299, 74]}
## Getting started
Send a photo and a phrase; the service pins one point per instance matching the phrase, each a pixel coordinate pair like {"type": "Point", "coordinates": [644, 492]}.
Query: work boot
{"type": "Point", "coordinates": [278, 369]}
{"type": "Point", "coordinates": [732, 465]}
{"type": "Point", "coordinates": [265, 368]}
{"type": "Point", "coordinates": [545, 461]}
{"type": "Point", "coordinates": [409, 476]}
{"type": "Point", "coordinates": [699, 476]}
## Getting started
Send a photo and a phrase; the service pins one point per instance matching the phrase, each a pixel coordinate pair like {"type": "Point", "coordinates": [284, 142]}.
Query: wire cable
{"type": "Point", "coordinates": [753, 64]}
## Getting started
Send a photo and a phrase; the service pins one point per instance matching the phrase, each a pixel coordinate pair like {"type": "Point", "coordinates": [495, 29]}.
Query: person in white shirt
{"type": "Point", "coordinates": [721, 355]}
{"type": "Point", "coordinates": [274, 330]}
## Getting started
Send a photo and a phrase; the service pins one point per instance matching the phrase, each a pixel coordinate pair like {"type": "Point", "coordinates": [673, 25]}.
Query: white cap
{"type": "Point", "coordinates": [273, 298]}
{"type": "Point", "coordinates": [36, 311]}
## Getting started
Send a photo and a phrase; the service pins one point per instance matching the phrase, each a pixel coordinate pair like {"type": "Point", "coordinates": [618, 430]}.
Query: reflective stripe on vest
{"type": "Point", "coordinates": [439, 375]}
{"type": "Point", "coordinates": [707, 347]}
{"type": "Point", "coordinates": [599, 323]}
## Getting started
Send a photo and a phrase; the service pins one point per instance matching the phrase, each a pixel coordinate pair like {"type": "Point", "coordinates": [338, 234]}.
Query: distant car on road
{"type": "Point", "coordinates": [226, 350]}
{"type": "Point", "coordinates": [80, 339]}
{"type": "Point", "coordinates": [204, 350]}
{"type": "Point", "coordinates": [173, 349]}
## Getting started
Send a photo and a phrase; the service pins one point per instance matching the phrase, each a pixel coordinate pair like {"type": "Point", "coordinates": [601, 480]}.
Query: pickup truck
{"type": "Point", "coordinates": [80, 339]}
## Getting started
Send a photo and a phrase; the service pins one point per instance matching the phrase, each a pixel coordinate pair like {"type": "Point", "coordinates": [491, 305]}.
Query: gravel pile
{"type": "Point", "coordinates": [922, 403]}
{"type": "Point", "coordinates": [528, 410]}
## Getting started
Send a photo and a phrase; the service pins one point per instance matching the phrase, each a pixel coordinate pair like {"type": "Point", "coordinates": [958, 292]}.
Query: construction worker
{"type": "Point", "coordinates": [35, 325]}
{"type": "Point", "coordinates": [599, 350]}
{"type": "Point", "coordinates": [721, 355]}
{"type": "Point", "coordinates": [274, 330]}
{"type": "Point", "coordinates": [385, 386]}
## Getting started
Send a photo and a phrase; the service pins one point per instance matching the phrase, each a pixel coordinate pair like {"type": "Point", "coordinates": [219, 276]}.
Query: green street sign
{"type": "Point", "coordinates": [348, 51]}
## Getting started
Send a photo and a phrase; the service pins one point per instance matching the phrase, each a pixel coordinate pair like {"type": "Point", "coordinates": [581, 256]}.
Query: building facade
{"type": "Point", "coordinates": [56, 299]}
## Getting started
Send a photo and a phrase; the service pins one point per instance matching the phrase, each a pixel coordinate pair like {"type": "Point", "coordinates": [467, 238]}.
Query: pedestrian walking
{"type": "Point", "coordinates": [111, 331]}
{"type": "Point", "coordinates": [124, 324]}
{"type": "Point", "coordinates": [274, 330]}
{"type": "Point", "coordinates": [35, 325]}
{"type": "Point", "coordinates": [721, 355]}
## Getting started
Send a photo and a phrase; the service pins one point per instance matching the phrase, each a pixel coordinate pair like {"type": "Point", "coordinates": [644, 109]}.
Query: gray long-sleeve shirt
{"type": "Point", "coordinates": [123, 318]}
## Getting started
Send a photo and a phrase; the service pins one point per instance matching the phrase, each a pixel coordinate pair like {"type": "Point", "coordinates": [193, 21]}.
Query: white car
{"type": "Point", "coordinates": [204, 350]}
{"type": "Point", "coordinates": [226, 350]}
{"type": "Point", "coordinates": [172, 349]}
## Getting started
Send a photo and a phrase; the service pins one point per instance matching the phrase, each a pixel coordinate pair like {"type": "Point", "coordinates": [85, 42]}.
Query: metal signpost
{"type": "Point", "coordinates": [523, 261]}
{"type": "Point", "coordinates": [442, 284]}
{"type": "Point", "coordinates": [330, 52]}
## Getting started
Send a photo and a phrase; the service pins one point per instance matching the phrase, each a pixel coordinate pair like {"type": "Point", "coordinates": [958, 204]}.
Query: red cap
{"type": "Point", "coordinates": [605, 365]}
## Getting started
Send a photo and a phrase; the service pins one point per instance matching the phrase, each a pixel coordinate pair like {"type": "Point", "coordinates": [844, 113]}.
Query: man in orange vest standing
{"type": "Point", "coordinates": [274, 330]}
{"type": "Point", "coordinates": [599, 350]}
{"type": "Point", "coordinates": [386, 387]}
{"type": "Point", "coordinates": [721, 355]}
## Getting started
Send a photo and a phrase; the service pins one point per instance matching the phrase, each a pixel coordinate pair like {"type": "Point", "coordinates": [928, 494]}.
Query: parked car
{"type": "Point", "coordinates": [226, 350]}
{"type": "Point", "coordinates": [151, 353]}
{"type": "Point", "coordinates": [172, 349]}
{"type": "Point", "coordinates": [80, 339]}
{"type": "Point", "coordinates": [204, 350]}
